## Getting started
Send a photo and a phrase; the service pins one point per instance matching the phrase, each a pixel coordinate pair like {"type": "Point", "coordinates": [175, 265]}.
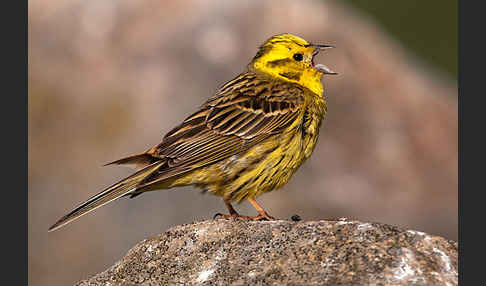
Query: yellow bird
{"type": "Point", "coordinates": [248, 139]}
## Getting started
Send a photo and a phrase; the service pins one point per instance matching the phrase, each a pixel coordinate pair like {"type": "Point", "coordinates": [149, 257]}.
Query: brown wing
{"type": "Point", "coordinates": [244, 112]}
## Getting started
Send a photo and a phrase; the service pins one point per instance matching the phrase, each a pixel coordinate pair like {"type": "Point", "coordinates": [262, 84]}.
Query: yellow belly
{"type": "Point", "coordinates": [265, 167]}
{"type": "Point", "coordinates": [272, 168]}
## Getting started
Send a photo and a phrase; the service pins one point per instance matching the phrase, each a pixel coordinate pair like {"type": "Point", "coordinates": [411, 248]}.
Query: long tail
{"type": "Point", "coordinates": [111, 193]}
{"type": "Point", "coordinates": [138, 161]}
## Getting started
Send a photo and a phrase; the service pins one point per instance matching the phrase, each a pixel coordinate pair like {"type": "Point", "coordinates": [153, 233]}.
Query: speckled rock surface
{"type": "Point", "coordinates": [344, 252]}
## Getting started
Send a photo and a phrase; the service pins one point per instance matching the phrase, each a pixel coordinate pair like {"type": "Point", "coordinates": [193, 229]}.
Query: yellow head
{"type": "Point", "coordinates": [290, 58]}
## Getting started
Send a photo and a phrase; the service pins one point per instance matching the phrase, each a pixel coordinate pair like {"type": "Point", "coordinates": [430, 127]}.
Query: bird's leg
{"type": "Point", "coordinates": [262, 214]}
{"type": "Point", "coordinates": [232, 211]}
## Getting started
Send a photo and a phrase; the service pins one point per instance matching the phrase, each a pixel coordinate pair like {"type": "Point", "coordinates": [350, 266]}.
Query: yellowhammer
{"type": "Point", "coordinates": [248, 139]}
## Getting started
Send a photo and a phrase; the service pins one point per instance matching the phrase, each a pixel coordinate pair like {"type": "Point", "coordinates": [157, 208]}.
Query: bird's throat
{"type": "Point", "coordinates": [310, 78]}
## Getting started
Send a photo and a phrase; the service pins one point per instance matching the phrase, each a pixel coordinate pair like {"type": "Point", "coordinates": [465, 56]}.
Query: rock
{"type": "Point", "coordinates": [341, 252]}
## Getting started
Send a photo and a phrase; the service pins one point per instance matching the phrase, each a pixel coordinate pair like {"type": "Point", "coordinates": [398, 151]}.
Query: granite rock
{"type": "Point", "coordinates": [340, 252]}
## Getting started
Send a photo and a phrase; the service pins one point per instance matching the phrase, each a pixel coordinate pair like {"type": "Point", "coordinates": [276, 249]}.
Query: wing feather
{"type": "Point", "coordinates": [237, 118]}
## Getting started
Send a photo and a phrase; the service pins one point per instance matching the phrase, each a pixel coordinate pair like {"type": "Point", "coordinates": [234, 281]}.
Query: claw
{"type": "Point", "coordinates": [216, 215]}
{"type": "Point", "coordinates": [244, 218]}
{"type": "Point", "coordinates": [262, 215]}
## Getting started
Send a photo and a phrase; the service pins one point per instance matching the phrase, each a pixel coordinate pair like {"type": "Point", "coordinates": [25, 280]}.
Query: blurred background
{"type": "Point", "coordinates": [109, 78]}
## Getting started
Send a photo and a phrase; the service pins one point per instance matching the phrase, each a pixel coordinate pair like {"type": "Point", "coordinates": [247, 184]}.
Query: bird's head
{"type": "Point", "coordinates": [291, 58]}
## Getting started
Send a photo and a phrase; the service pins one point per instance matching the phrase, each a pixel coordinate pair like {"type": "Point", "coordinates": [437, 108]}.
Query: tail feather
{"type": "Point", "coordinates": [111, 193]}
{"type": "Point", "coordinates": [138, 161]}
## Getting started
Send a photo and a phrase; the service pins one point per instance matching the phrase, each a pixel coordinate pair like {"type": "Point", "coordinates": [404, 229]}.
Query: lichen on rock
{"type": "Point", "coordinates": [341, 252]}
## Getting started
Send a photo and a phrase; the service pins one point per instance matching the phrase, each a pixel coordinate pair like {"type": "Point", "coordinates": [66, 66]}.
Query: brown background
{"type": "Point", "coordinates": [110, 78]}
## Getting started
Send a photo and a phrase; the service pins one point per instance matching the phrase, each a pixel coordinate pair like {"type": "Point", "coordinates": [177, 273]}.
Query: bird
{"type": "Point", "coordinates": [248, 139]}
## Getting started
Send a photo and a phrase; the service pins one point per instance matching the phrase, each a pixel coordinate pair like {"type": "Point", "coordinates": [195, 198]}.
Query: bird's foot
{"type": "Point", "coordinates": [260, 217]}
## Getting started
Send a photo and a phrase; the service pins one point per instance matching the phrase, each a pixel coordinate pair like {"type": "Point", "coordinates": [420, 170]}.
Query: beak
{"type": "Point", "coordinates": [320, 67]}
{"type": "Point", "coordinates": [322, 47]}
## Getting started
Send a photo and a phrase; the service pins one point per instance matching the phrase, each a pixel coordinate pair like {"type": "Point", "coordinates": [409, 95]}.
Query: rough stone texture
{"type": "Point", "coordinates": [286, 253]}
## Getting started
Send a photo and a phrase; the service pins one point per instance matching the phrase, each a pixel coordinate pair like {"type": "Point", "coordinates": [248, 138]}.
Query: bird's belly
{"type": "Point", "coordinates": [263, 168]}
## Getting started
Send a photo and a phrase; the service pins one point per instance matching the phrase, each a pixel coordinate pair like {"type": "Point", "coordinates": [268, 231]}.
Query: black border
{"type": "Point", "coordinates": [14, 26]}
{"type": "Point", "coordinates": [471, 187]}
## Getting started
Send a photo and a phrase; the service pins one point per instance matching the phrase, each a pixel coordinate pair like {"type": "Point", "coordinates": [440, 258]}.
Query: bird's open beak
{"type": "Point", "coordinates": [320, 67]}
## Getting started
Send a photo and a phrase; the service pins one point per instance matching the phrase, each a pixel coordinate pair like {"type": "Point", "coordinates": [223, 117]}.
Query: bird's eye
{"type": "Point", "coordinates": [298, 57]}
